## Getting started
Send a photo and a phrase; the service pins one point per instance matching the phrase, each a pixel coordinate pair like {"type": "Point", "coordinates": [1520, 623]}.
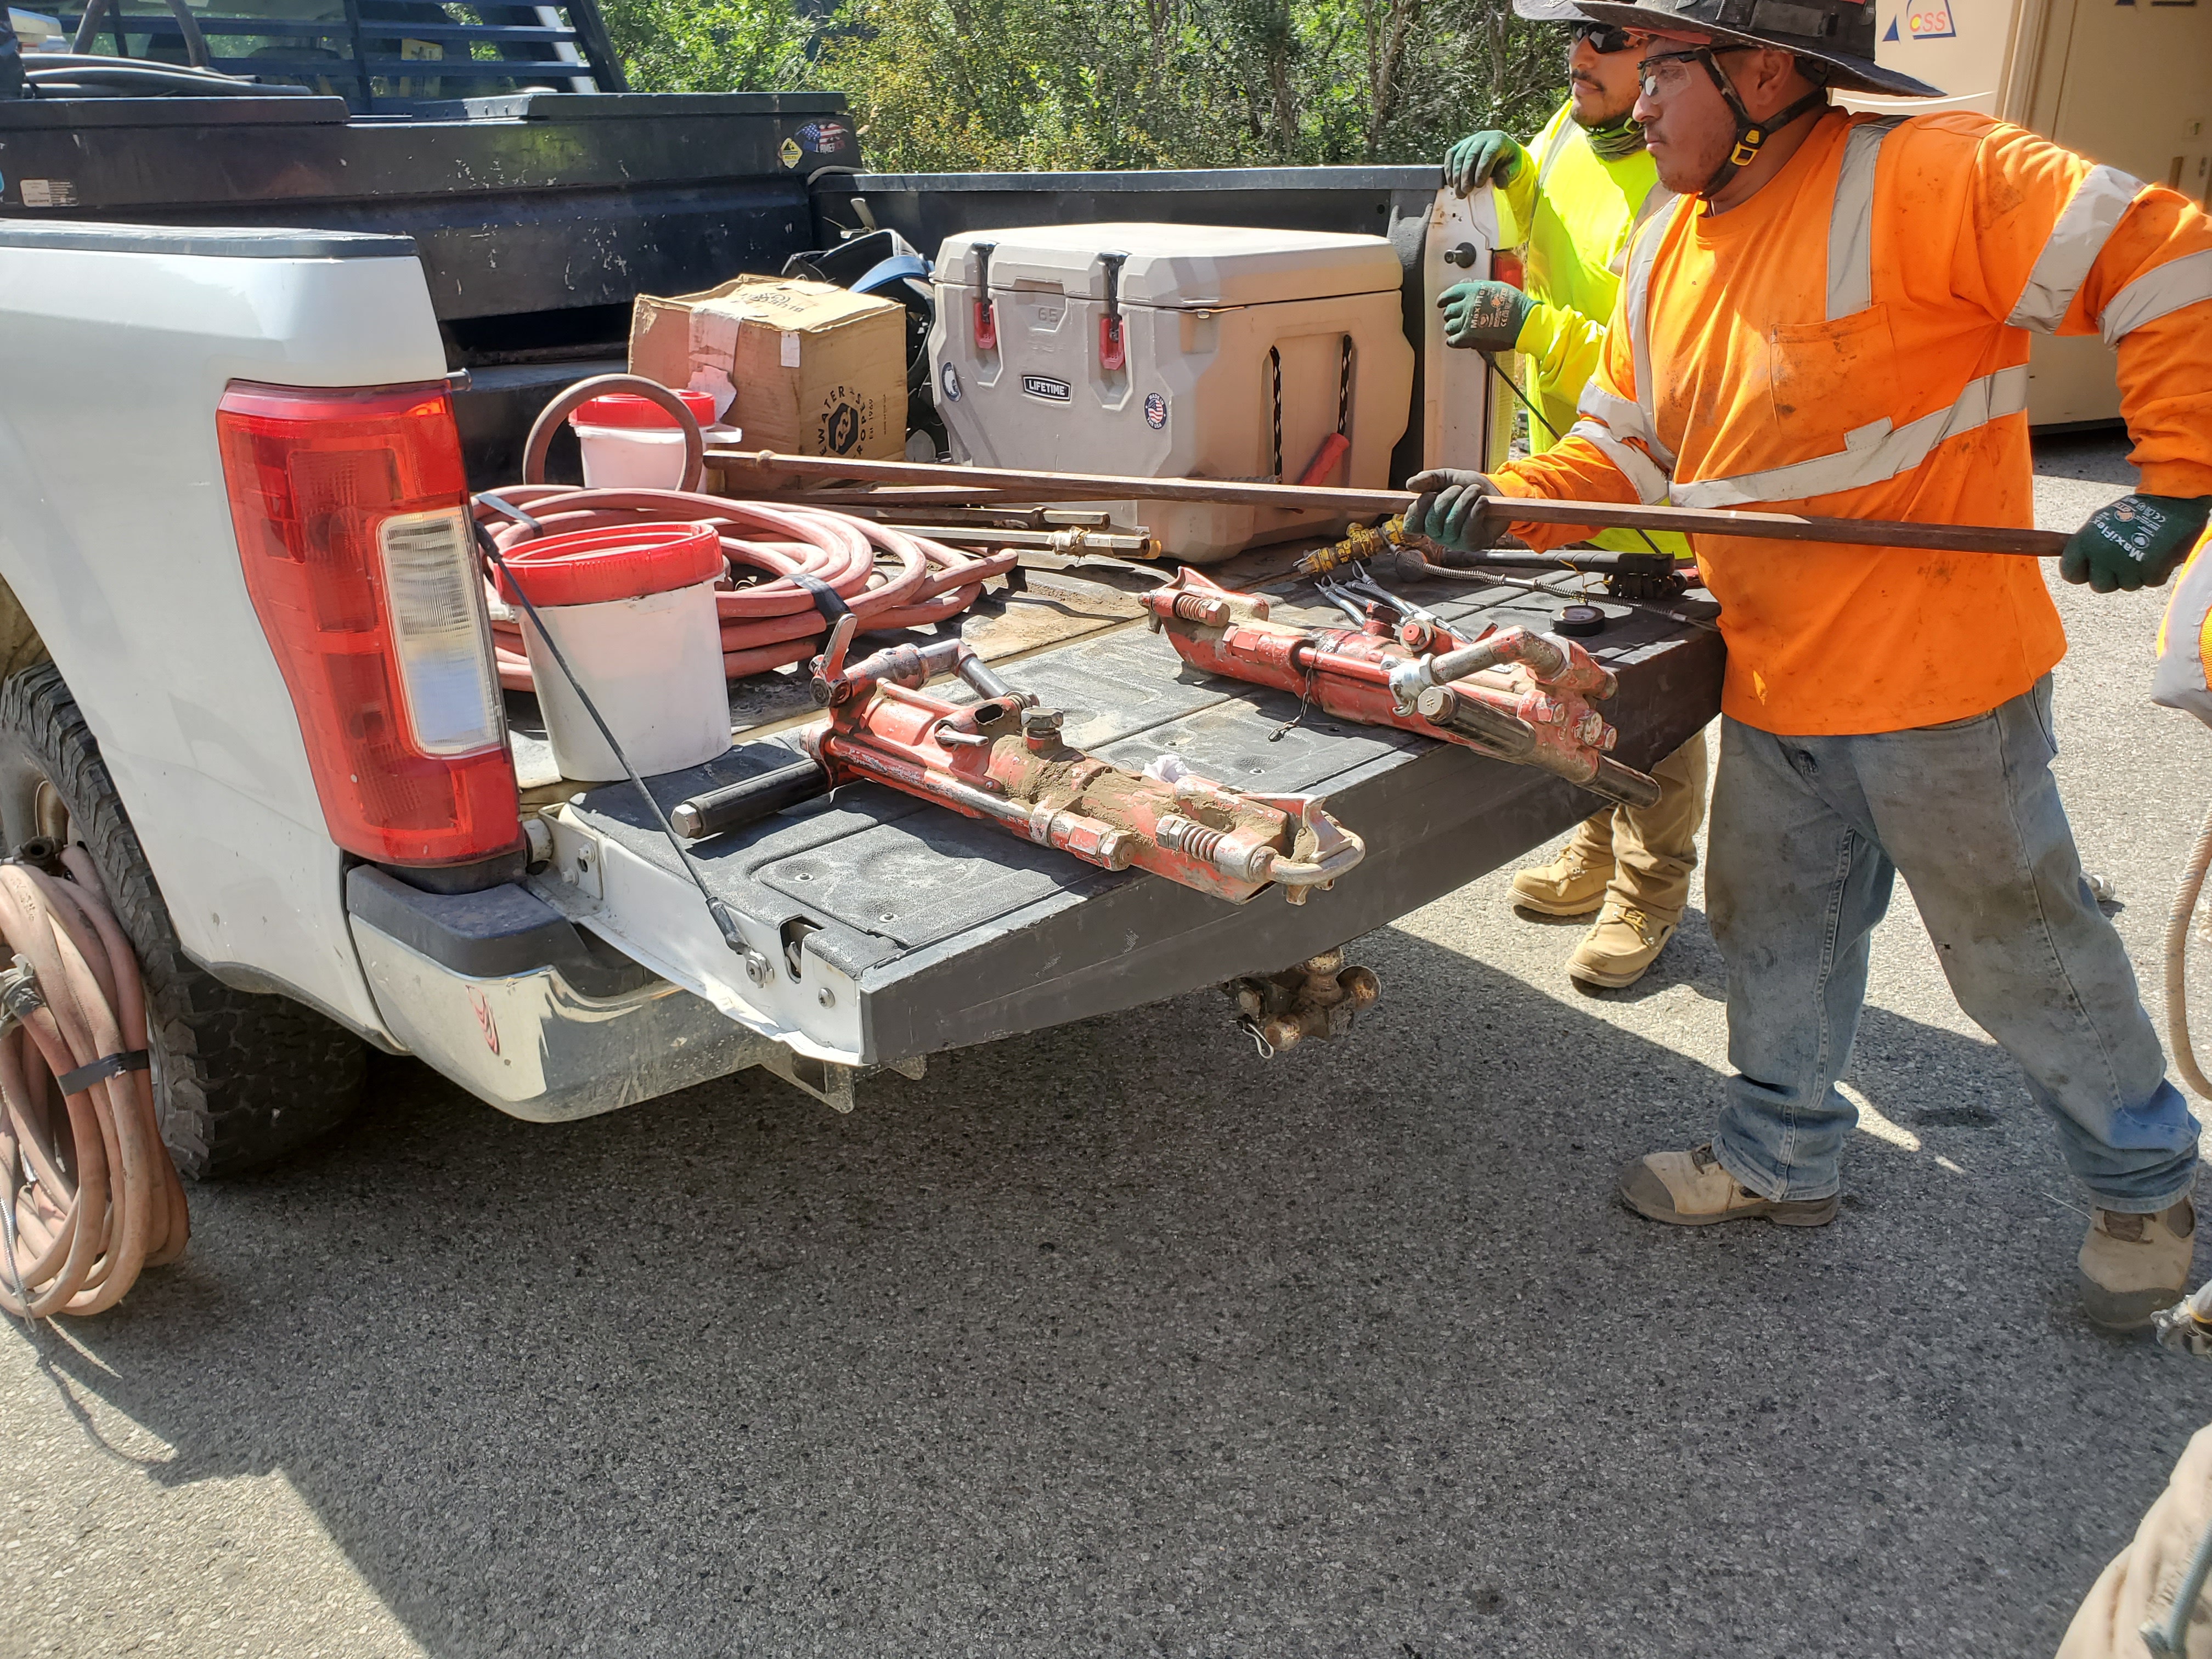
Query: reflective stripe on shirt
{"type": "Point", "coordinates": [1636, 466]}
{"type": "Point", "coordinates": [2073, 247]}
{"type": "Point", "coordinates": [1635, 301]}
{"type": "Point", "coordinates": [1623, 419]}
{"type": "Point", "coordinates": [1872, 454]}
{"type": "Point", "coordinates": [1850, 222]}
{"type": "Point", "coordinates": [2158, 293]}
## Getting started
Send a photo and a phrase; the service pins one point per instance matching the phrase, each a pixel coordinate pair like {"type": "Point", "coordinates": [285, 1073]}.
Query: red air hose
{"type": "Point", "coordinates": [102, 1200]}
{"type": "Point", "coordinates": [887, 578]}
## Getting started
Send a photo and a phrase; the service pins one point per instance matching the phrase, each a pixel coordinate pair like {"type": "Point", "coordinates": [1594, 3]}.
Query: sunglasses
{"type": "Point", "coordinates": [1606, 39]}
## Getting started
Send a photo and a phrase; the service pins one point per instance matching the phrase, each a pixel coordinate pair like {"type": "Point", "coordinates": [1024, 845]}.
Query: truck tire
{"type": "Point", "coordinates": [240, 1079]}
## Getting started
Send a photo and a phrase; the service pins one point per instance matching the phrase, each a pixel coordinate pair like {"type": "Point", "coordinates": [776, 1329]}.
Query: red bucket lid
{"type": "Point", "coordinates": [599, 567]}
{"type": "Point", "coordinates": [628, 409]}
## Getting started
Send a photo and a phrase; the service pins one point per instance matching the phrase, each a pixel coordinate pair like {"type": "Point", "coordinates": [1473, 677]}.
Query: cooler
{"type": "Point", "coordinates": [1175, 351]}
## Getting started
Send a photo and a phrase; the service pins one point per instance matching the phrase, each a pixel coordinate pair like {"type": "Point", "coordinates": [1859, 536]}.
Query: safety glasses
{"type": "Point", "coordinates": [1663, 73]}
{"type": "Point", "coordinates": [1605, 37]}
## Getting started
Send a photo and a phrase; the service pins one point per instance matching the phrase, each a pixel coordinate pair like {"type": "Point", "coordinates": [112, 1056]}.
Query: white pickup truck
{"type": "Point", "coordinates": [246, 665]}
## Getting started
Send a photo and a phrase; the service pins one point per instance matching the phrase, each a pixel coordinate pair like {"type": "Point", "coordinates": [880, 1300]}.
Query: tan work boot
{"type": "Point", "coordinates": [1626, 941]}
{"type": "Point", "coordinates": [1571, 884]}
{"type": "Point", "coordinates": [1692, 1190]}
{"type": "Point", "coordinates": [2132, 1266]}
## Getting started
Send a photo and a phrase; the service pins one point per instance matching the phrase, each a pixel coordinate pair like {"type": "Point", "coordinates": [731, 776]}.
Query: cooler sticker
{"type": "Point", "coordinates": [824, 138]}
{"type": "Point", "coordinates": [49, 192]}
{"type": "Point", "coordinates": [1155, 412]}
{"type": "Point", "coordinates": [789, 151]}
{"type": "Point", "coordinates": [787, 349]}
{"type": "Point", "coordinates": [1930, 20]}
{"type": "Point", "coordinates": [1043, 385]}
{"type": "Point", "coordinates": [951, 378]}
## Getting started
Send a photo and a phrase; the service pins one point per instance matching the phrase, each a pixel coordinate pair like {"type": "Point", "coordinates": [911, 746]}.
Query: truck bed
{"type": "Point", "coordinates": [951, 931]}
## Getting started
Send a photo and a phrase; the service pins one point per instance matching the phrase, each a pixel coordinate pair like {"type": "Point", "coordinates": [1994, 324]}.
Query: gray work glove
{"type": "Point", "coordinates": [1449, 509]}
{"type": "Point", "coordinates": [1482, 158]}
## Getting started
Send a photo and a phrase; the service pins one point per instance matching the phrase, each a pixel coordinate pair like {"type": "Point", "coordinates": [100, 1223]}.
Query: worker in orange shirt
{"type": "Point", "coordinates": [1834, 320]}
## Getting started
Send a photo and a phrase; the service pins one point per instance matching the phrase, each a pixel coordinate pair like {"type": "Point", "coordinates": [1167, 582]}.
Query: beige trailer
{"type": "Point", "coordinates": [2128, 84]}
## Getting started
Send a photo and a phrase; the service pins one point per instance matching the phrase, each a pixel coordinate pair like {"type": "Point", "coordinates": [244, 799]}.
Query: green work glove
{"type": "Point", "coordinates": [1487, 316]}
{"type": "Point", "coordinates": [1482, 158]}
{"type": "Point", "coordinates": [2135, 542]}
{"type": "Point", "coordinates": [1450, 511]}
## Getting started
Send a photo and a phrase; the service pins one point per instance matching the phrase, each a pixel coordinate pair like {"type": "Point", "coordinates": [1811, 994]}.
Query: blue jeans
{"type": "Point", "coordinates": [1809, 835]}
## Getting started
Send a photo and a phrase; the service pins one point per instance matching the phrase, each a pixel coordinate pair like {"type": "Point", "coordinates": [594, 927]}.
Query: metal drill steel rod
{"type": "Point", "coordinates": [1498, 510]}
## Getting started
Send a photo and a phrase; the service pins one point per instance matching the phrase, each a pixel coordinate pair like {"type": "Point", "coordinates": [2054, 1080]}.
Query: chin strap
{"type": "Point", "coordinates": [1751, 135]}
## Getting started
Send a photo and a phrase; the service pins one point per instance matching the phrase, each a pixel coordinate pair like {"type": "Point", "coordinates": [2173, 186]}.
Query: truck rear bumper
{"type": "Point", "coordinates": [499, 992]}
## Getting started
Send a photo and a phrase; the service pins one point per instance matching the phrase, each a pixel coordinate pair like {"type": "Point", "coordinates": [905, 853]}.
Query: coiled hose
{"type": "Point", "coordinates": [887, 578]}
{"type": "Point", "coordinates": [102, 1200]}
{"type": "Point", "coordinates": [2177, 960]}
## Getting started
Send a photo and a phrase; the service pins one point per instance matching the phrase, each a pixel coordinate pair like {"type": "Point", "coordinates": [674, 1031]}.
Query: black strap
{"type": "Point", "coordinates": [825, 598]}
{"type": "Point", "coordinates": [1751, 135]}
{"type": "Point", "coordinates": [131, 1060]}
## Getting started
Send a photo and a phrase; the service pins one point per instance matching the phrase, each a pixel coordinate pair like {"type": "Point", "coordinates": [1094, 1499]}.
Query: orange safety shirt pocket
{"type": "Point", "coordinates": [1828, 379]}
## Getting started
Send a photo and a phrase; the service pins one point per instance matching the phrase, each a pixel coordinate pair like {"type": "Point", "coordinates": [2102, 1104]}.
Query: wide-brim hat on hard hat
{"type": "Point", "coordinates": [1838, 33]}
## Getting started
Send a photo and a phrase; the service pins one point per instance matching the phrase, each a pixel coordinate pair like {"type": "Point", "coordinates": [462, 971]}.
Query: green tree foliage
{"type": "Point", "coordinates": [953, 85]}
{"type": "Point", "coordinates": [710, 45]}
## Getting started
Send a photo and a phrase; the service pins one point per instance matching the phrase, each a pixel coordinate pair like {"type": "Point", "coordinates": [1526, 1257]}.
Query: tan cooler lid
{"type": "Point", "coordinates": [1178, 266]}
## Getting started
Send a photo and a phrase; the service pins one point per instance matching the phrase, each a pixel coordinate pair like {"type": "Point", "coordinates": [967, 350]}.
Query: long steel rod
{"type": "Point", "coordinates": [1498, 509]}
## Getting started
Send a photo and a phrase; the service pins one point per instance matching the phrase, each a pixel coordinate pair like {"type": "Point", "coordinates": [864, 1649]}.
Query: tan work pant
{"type": "Point", "coordinates": [1652, 849]}
{"type": "Point", "coordinates": [2141, 1582]}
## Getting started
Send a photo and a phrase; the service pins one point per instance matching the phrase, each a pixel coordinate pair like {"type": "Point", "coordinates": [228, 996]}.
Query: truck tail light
{"type": "Point", "coordinates": [351, 510]}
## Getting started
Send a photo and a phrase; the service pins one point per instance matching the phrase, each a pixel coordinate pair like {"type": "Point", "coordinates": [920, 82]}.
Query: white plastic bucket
{"type": "Point", "coordinates": [633, 611]}
{"type": "Point", "coordinates": [631, 443]}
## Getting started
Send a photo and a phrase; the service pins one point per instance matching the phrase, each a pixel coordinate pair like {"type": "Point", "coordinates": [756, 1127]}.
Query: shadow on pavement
{"type": "Point", "coordinates": [1171, 1351]}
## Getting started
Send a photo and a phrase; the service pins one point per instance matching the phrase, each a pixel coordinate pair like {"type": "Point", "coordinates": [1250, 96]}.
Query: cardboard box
{"type": "Point", "coordinates": [806, 369]}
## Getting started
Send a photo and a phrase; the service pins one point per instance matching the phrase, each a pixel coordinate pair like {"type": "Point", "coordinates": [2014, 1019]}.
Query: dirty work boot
{"type": "Point", "coordinates": [1573, 883]}
{"type": "Point", "coordinates": [1692, 1190]}
{"type": "Point", "coordinates": [1615, 953]}
{"type": "Point", "coordinates": [2132, 1266]}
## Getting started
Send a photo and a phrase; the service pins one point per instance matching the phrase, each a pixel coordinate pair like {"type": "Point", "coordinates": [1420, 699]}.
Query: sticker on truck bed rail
{"type": "Point", "coordinates": [823, 137]}
{"type": "Point", "coordinates": [49, 192]}
{"type": "Point", "coordinates": [1043, 385]}
{"type": "Point", "coordinates": [788, 152]}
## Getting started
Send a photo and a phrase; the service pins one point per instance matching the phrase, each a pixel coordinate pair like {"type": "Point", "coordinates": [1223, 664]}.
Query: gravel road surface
{"type": "Point", "coordinates": [1116, 1340]}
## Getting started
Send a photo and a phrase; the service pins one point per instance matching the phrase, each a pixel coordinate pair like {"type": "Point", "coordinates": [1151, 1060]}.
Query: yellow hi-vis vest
{"type": "Point", "coordinates": [1575, 212]}
{"type": "Point", "coordinates": [2183, 678]}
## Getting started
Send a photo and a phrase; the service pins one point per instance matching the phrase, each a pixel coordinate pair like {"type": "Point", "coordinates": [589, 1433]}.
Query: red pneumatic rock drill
{"type": "Point", "coordinates": [1001, 759]}
{"type": "Point", "coordinates": [1509, 694]}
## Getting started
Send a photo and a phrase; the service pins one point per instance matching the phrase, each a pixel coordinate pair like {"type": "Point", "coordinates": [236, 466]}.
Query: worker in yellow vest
{"type": "Point", "coordinates": [1574, 195]}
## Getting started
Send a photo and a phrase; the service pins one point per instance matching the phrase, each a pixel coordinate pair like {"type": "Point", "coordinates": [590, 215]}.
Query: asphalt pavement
{"type": "Point", "coordinates": [1115, 1339]}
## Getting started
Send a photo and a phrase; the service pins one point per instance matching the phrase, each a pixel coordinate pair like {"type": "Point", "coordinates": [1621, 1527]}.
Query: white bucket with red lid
{"type": "Point", "coordinates": [631, 443]}
{"type": "Point", "coordinates": [632, 609]}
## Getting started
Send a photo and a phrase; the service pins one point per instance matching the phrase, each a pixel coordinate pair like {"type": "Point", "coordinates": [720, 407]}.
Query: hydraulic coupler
{"type": "Point", "coordinates": [1001, 759]}
{"type": "Point", "coordinates": [1510, 694]}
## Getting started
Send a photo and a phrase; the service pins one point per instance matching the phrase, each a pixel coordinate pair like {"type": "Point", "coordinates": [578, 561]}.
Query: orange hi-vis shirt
{"type": "Point", "coordinates": [1852, 341]}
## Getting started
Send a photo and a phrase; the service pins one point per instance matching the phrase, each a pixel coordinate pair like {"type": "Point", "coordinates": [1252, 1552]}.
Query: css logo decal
{"type": "Point", "coordinates": [1930, 21]}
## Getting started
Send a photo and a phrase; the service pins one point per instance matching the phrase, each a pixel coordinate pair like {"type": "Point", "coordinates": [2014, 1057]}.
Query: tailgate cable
{"type": "Point", "coordinates": [721, 912]}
